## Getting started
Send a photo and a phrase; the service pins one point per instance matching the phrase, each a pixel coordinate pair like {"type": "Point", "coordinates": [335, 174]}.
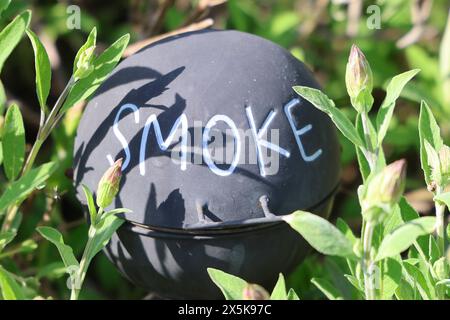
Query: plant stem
{"type": "Point", "coordinates": [371, 153]}
{"type": "Point", "coordinates": [85, 261]}
{"type": "Point", "coordinates": [440, 223]}
{"type": "Point", "coordinates": [369, 286]}
{"type": "Point", "coordinates": [43, 133]}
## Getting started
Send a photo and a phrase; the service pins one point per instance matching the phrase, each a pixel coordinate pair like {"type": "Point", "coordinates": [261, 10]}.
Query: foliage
{"type": "Point", "coordinates": [39, 96]}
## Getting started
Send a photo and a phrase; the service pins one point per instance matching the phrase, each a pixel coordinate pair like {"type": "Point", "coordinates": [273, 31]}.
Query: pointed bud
{"type": "Point", "coordinates": [384, 190]}
{"type": "Point", "coordinates": [255, 292]}
{"type": "Point", "coordinates": [359, 80]}
{"type": "Point", "coordinates": [388, 185]}
{"type": "Point", "coordinates": [109, 184]}
{"type": "Point", "coordinates": [85, 63]}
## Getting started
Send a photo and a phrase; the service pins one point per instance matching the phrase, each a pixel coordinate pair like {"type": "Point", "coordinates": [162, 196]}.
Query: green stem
{"type": "Point", "coordinates": [80, 275]}
{"type": "Point", "coordinates": [369, 286]}
{"type": "Point", "coordinates": [43, 133]}
{"type": "Point", "coordinates": [371, 153]}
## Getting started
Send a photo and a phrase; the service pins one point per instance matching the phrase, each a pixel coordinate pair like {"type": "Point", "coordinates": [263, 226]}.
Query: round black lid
{"type": "Point", "coordinates": [211, 134]}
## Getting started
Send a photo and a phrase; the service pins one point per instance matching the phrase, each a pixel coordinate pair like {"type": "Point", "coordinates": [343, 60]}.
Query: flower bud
{"type": "Point", "coordinates": [84, 63]}
{"type": "Point", "coordinates": [255, 292]}
{"type": "Point", "coordinates": [387, 186]}
{"type": "Point", "coordinates": [359, 80]}
{"type": "Point", "coordinates": [109, 184]}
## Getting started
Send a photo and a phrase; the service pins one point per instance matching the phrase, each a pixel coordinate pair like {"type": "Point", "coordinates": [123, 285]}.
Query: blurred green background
{"type": "Point", "coordinates": [395, 35]}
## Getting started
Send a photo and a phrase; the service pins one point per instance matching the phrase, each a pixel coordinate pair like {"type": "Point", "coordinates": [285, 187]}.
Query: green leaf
{"type": "Point", "coordinates": [279, 291]}
{"type": "Point", "coordinates": [11, 35]}
{"type": "Point", "coordinates": [354, 282]}
{"type": "Point", "coordinates": [2, 99]}
{"type": "Point", "coordinates": [115, 212]}
{"type": "Point", "coordinates": [55, 237]}
{"type": "Point", "coordinates": [5, 238]}
{"type": "Point", "coordinates": [4, 5]}
{"type": "Point", "coordinates": [13, 142]}
{"type": "Point", "coordinates": [417, 280]}
{"type": "Point", "coordinates": [407, 212]}
{"type": "Point", "coordinates": [323, 103]}
{"type": "Point", "coordinates": [404, 236]}
{"type": "Point", "coordinates": [231, 286]}
{"type": "Point", "coordinates": [392, 275]}
{"type": "Point", "coordinates": [434, 252]}
{"type": "Point", "coordinates": [428, 131]}
{"type": "Point", "coordinates": [43, 69]}
{"type": "Point", "coordinates": [444, 198]}
{"type": "Point", "coordinates": [9, 287]}
{"type": "Point", "coordinates": [444, 63]}
{"type": "Point", "coordinates": [21, 188]}
{"type": "Point", "coordinates": [292, 295]}
{"type": "Point", "coordinates": [103, 65]}
{"type": "Point", "coordinates": [346, 230]}
{"type": "Point", "coordinates": [327, 289]}
{"type": "Point", "coordinates": [103, 234]}
{"type": "Point", "coordinates": [320, 234]}
{"type": "Point", "coordinates": [91, 204]}
{"type": "Point", "coordinates": [393, 91]}
{"type": "Point", "coordinates": [90, 42]}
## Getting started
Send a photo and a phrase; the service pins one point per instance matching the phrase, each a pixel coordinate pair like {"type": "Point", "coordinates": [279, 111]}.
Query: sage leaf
{"type": "Point", "coordinates": [320, 234]}
{"type": "Point", "coordinates": [13, 142]}
{"type": "Point", "coordinates": [323, 103]}
{"type": "Point", "coordinates": [43, 69]}
{"type": "Point", "coordinates": [386, 110]}
{"type": "Point", "coordinates": [11, 35]}
{"type": "Point", "coordinates": [231, 286]}
{"type": "Point", "coordinates": [404, 236]}
{"type": "Point", "coordinates": [20, 189]}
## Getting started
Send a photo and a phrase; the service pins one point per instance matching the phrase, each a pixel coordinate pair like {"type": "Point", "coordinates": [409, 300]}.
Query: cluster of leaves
{"type": "Point", "coordinates": [23, 177]}
{"type": "Point", "coordinates": [390, 226]}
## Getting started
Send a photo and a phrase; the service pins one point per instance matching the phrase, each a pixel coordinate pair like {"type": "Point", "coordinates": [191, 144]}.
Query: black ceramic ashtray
{"type": "Point", "coordinates": [216, 146]}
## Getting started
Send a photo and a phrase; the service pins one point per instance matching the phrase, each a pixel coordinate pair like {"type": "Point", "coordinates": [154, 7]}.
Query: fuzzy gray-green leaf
{"type": "Point", "coordinates": [320, 234]}
{"type": "Point", "coordinates": [404, 236]}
